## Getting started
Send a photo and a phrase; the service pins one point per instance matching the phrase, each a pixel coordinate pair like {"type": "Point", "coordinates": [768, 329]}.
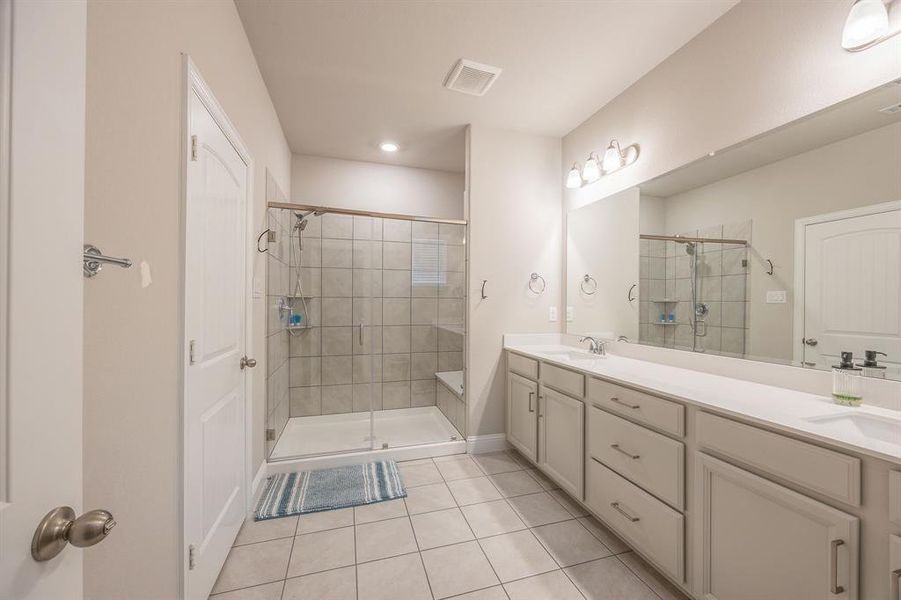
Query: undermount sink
{"type": "Point", "coordinates": [573, 355]}
{"type": "Point", "coordinates": [884, 429]}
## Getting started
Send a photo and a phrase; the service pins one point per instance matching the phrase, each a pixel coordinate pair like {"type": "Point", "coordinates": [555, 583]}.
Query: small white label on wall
{"type": "Point", "coordinates": [776, 297]}
{"type": "Point", "coordinates": [569, 314]}
{"type": "Point", "coordinates": [552, 314]}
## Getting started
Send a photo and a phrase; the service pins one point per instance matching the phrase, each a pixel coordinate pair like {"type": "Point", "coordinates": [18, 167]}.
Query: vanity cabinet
{"type": "Point", "coordinates": [561, 447]}
{"type": "Point", "coordinates": [759, 539]}
{"type": "Point", "coordinates": [522, 415]}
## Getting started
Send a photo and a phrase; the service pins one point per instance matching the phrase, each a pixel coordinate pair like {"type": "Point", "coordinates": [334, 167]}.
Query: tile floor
{"type": "Point", "coordinates": [480, 527]}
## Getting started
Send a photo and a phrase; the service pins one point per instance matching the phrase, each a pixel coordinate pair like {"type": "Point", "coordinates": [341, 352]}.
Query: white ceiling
{"type": "Point", "coordinates": [346, 75]}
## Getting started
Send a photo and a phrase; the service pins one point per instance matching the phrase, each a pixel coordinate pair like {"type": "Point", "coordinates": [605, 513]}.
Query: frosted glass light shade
{"type": "Point", "coordinates": [573, 178]}
{"type": "Point", "coordinates": [591, 172]}
{"type": "Point", "coordinates": [613, 157]}
{"type": "Point", "coordinates": [867, 22]}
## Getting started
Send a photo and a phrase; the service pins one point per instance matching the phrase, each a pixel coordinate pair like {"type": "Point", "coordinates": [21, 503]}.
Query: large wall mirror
{"type": "Point", "coordinates": [785, 248]}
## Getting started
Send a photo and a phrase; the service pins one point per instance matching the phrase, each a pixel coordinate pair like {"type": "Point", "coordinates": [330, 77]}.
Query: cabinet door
{"type": "Point", "coordinates": [561, 450]}
{"type": "Point", "coordinates": [522, 415]}
{"type": "Point", "coordinates": [762, 540]}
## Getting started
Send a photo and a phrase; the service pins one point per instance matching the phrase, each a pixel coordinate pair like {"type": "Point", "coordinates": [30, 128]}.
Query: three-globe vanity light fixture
{"type": "Point", "coordinates": [615, 158]}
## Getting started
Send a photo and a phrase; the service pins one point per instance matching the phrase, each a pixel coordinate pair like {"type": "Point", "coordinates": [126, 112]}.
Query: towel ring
{"type": "Point", "coordinates": [586, 279]}
{"type": "Point", "coordinates": [532, 279]}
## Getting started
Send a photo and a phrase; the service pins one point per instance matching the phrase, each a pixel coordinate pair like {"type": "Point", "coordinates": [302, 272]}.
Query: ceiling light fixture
{"type": "Point", "coordinates": [574, 178]}
{"type": "Point", "coordinates": [591, 172]}
{"type": "Point", "coordinates": [388, 147]}
{"type": "Point", "coordinates": [867, 25]}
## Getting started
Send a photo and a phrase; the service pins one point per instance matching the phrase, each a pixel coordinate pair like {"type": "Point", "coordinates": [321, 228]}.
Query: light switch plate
{"type": "Point", "coordinates": [552, 314]}
{"type": "Point", "coordinates": [776, 297]}
{"type": "Point", "coordinates": [569, 314]}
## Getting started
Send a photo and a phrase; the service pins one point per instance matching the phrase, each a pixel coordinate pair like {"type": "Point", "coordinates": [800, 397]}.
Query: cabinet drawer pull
{"type": "Point", "coordinates": [621, 403]}
{"type": "Point", "coordinates": [834, 587]}
{"type": "Point", "coordinates": [896, 584]}
{"type": "Point", "coordinates": [531, 395]}
{"type": "Point", "coordinates": [615, 505]}
{"type": "Point", "coordinates": [626, 452]}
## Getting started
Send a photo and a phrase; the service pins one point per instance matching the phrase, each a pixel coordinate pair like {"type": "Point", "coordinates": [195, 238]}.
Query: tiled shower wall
{"type": "Point", "coordinates": [665, 287]}
{"type": "Point", "coordinates": [405, 278]}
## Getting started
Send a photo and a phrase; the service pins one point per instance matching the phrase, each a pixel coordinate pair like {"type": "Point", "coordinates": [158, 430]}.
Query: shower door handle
{"type": "Point", "coordinates": [361, 333]}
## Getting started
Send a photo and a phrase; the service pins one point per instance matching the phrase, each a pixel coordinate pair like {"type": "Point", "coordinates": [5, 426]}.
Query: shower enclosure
{"type": "Point", "coordinates": [365, 331]}
{"type": "Point", "coordinates": [694, 290]}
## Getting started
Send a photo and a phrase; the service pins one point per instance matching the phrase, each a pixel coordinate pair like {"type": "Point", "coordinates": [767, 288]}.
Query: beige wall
{"type": "Point", "coordinates": [515, 226]}
{"type": "Point", "coordinates": [858, 171]}
{"type": "Point", "coordinates": [376, 187]}
{"type": "Point", "coordinates": [761, 65]}
{"type": "Point", "coordinates": [132, 420]}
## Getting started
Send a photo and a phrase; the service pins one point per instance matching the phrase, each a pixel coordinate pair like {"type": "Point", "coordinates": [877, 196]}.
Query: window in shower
{"type": "Point", "coordinates": [382, 329]}
{"type": "Point", "coordinates": [694, 295]}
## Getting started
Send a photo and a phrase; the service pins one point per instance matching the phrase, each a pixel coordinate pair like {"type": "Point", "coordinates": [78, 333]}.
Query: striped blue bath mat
{"type": "Point", "coordinates": [289, 494]}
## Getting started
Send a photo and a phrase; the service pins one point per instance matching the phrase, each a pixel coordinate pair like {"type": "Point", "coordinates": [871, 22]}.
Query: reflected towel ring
{"type": "Point", "coordinates": [588, 279]}
{"type": "Point", "coordinates": [532, 279]}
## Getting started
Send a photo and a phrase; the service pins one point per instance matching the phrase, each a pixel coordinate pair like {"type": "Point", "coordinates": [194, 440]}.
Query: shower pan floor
{"type": "Point", "coordinates": [349, 432]}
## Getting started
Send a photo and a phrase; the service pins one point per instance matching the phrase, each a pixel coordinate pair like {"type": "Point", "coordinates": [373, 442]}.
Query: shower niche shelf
{"type": "Point", "coordinates": [669, 323]}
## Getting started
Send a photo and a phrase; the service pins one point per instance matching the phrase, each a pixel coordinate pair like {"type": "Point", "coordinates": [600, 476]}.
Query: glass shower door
{"type": "Point", "coordinates": [422, 302]}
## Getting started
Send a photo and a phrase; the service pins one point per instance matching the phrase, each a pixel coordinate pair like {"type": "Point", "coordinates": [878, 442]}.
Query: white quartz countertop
{"type": "Point", "coordinates": [867, 429]}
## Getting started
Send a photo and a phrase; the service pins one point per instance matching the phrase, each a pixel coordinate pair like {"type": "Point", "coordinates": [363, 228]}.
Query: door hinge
{"type": "Point", "coordinates": [191, 346]}
{"type": "Point", "coordinates": [193, 147]}
{"type": "Point", "coordinates": [191, 560]}
{"type": "Point", "coordinates": [270, 435]}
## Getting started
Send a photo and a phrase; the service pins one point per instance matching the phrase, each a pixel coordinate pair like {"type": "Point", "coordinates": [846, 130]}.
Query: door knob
{"type": "Point", "coordinates": [60, 527]}
{"type": "Point", "coordinates": [810, 341]}
{"type": "Point", "coordinates": [248, 362]}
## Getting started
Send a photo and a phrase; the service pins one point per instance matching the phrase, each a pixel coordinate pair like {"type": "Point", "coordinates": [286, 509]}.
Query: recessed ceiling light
{"type": "Point", "coordinates": [388, 147]}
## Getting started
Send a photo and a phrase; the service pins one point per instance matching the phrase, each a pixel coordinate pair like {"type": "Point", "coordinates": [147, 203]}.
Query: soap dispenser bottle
{"type": "Point", "coordinates": [847, 383]}
{"type": "Point", "coordinates": [871, 366]}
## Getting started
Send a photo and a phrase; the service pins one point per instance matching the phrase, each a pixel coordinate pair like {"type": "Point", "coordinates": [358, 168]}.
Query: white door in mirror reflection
{"type": "Point", "coordinates": [852, 287]}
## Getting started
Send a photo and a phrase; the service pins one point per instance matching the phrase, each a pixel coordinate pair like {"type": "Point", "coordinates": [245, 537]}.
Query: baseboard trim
{"type": "Point", "coordinates": [258, 479]}
{"type": "Point", "coordinates": [480, 444]}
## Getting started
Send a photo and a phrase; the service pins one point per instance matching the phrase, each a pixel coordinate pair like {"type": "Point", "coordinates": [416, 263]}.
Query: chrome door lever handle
{"type": "Point", "coordinates": [248, 363]}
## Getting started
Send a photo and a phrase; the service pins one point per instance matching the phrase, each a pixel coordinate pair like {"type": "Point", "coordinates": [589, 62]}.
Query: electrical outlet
{"type": "Point", "coordinates": [776, 297]}
{"type": "Point", "coordinates": [569, 314]}
{"type": "Point", "coordinates": [552, 314]}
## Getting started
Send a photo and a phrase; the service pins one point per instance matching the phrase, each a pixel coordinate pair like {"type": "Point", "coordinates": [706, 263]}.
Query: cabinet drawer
{"type": "Point", "coordinates": [647, 523]}
{"type": "Point", "coordinates": [648, 459]}
{"type": "Point", "coordinates": [563, 380]}
{"type": "Point", "coordinates": [656, 412]}
{"type": "Point", "coordinates": [522, 365]}
{"type": "Point", "coordinates": [827, 472]}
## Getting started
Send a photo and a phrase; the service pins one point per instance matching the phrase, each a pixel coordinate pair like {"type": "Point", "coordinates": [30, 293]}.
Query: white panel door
{"type": "Point", "coordinates": [215, 297]}
{"type": "Point", "coordinates": [852, 287]}
{"type": "Point", "coordinates": [42, 141]}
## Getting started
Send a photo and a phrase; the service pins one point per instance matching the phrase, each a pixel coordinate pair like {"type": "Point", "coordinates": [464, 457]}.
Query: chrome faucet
{"type": "Point", "coordinates": [595, 346]}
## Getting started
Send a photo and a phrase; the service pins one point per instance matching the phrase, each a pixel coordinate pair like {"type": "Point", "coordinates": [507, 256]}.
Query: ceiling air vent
{"type": "Point", "coordinates": [890, 110]}
{"type": "Point", "coordinates": [471, 77]}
